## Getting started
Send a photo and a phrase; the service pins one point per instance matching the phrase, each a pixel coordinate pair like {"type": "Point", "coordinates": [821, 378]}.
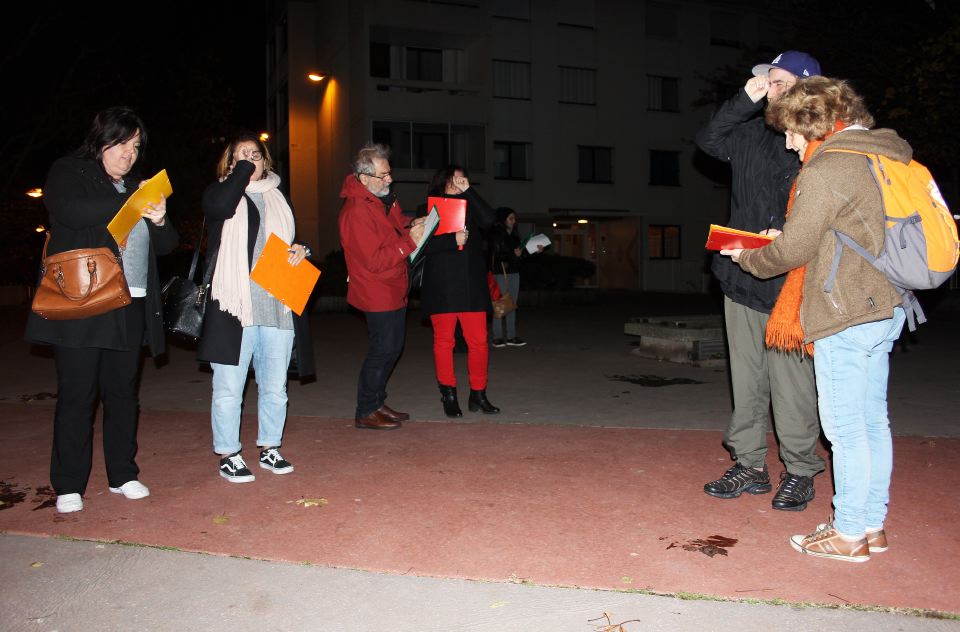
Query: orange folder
{"type": "Point", "coordinates": [723, 238]}
{"type": "Point", "coordinates": [131, 212]}
{"type": "Point", "coordinates": [453, 213]}
{"type": "Point", "coordinates": [291, 285]}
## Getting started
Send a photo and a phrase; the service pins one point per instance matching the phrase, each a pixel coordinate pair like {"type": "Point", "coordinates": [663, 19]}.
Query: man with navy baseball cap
{"type": "Point", "coordinates": [762, 172]}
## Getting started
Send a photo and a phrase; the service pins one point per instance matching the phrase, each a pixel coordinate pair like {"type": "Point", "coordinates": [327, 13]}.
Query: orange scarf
{"type": "Point", "coordinates": [784, 331]}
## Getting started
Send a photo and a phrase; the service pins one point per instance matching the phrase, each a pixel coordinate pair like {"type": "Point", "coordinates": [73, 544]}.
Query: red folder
{"type": "Point", "coordinates": [453, 213]}
{"type": "Point", "coordinates": [723, 238]}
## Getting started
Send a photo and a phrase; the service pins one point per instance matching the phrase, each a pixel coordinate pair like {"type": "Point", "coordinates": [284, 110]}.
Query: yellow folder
{"type": "Point", "coordinates": [131, 212]}
{"type": "Point", "coordinates": [291, 285]}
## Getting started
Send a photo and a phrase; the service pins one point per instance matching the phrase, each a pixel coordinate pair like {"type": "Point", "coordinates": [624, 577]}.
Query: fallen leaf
{"type": "Point", "coordinates": [220, 519]}
{"type": "Point", "coordinates": [36, 565]}
{"type": "Point", "coordinates": [498, 604]}
{"type": "Point", "coordinates": [626, 580]}
{"type": "Point", "coordinates": [312, 502]}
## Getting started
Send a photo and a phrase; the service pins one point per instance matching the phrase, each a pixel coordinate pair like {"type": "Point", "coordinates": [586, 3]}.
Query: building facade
{"type": "Point", "coordinates": [578, 114]}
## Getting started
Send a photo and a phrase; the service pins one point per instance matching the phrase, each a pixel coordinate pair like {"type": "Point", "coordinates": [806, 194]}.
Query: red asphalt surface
{"type": "Point", "coordinates": [605, 508]}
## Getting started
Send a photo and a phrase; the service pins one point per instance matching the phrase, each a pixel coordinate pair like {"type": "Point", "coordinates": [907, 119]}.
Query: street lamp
{"type": "Point", "coordinates": [264, 137]}
{"type": "Point", "coordinates": [35, 193]}
{"type": "Point", "coordinates": [316, 77]}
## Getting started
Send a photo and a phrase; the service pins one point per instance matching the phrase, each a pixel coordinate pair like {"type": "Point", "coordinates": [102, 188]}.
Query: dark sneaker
{"type": "Point", "coordinates": [234, 469]}
{"type": "Point", "coordinates": [739, 479]}
{"type": "Point", "coordinates": [827, 542]}
{"type": "Point", "coordinates": [498, 342]}
{"type": "Point", "coordinates": [270, 459]}
{"type": "Point", "coordinates": [794, 493]}
{"type": "Point", "coordinates": [515, 342]}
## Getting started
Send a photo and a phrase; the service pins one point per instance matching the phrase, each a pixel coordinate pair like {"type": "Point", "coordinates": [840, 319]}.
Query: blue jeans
{"type": "Point", "coordinates": [852, 367]}
{"type": "Point", "coordinates": [269, 348]}
{"type": "Point", "coordinates": [509, 284]}
{"type": "Point", "coordinates": [387, 331]}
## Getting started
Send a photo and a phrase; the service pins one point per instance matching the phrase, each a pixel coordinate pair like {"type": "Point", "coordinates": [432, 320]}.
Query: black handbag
{"type": "Point", "coordinates": [184, 301]}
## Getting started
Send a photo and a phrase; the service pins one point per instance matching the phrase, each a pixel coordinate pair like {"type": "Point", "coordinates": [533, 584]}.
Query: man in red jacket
{"type": "Point", "coordinates": [376, 245]}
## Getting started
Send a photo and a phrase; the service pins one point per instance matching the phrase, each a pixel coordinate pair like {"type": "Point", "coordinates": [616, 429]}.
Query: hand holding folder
{"type": "Point", "coordinates": [289, 284]}
{"type": "Point", "coordinates": [723, 238]}
{"type": "Point", "coordinates": [130, 213]}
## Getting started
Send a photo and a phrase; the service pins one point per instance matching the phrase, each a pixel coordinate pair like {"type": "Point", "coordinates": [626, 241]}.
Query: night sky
{"type": "Point", "coordinates": [194, 72]}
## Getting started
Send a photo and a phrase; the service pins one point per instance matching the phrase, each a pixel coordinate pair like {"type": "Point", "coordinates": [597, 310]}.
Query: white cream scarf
{"type": "Point", "coordinates": [231, 279]}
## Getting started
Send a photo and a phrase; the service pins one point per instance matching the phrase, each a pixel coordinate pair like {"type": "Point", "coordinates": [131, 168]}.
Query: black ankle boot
{"type": "Point", "coordinates": [478, 401]}
{"type": "Point", "coordinates": [448, 395]}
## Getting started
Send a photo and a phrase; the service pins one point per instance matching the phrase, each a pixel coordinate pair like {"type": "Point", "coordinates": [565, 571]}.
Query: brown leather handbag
{"type": "Point", "coordinates": [79, 284]}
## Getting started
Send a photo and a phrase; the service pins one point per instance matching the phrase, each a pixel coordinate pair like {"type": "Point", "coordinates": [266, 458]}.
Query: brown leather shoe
{"type": "Point", "coordinates": [827, 542]}
{"type": "Point", "coordinates": [392, 414]}
{"type": "Point", "coordinates": [877, 541]}
{"type": "Point", "coordinates": [376, 421]}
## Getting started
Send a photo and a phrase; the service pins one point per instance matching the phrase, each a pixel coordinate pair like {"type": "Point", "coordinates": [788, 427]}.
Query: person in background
{"type": "Point", "coordinates": [99, 357]}
{"type": "Point", "coordinates": [243, 323]}
{"type": "Point", "coordinates": [761, 375]}
{"type": "Point", "coordinates": [377, 243]}
{"type": "Point", "coordinates": [455, 290]}
{"type": "Point", "coordinates": [853, 326]}
{"type": "Point", "coordinates": [508, 251]}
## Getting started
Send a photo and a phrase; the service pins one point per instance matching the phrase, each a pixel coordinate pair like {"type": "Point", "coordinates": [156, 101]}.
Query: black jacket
{"type": "Point", "coordinates": [81, 201]}
{"type": "Point", "coordinates": [763, 171]}
{"type": "Point", "coordinates": [504, 250]}
{"type": "Point", "coordinates": [456, 280]}
{"type": "Point", "coordinates": [222, 332]}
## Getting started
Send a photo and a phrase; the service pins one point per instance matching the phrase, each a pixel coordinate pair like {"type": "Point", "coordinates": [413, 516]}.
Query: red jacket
{"type": "Point", "coordinates": [376, 246]}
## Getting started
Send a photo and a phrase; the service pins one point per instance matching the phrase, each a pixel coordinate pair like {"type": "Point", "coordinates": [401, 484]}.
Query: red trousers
{"type": "Point", "coordinates": [474, 326]}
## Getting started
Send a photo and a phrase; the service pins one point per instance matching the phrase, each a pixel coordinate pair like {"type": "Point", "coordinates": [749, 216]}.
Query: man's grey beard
{"type": "Point", "coordinates": [383, 193]}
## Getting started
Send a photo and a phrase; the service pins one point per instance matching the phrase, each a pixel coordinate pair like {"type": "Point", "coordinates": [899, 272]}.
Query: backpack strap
{"type": "Point", "coordinates": [911, 306]}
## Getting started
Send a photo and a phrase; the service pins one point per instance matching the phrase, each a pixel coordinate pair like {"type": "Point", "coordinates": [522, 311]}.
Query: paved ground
{"type": "Point", "coordinates": [578, 370]}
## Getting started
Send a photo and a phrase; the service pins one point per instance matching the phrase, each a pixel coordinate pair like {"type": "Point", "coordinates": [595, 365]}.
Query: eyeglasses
{"type": "Point", "coordinates": [780, 83]}
{"type": "Point", "coordinates": [253, 155]}
{"type": "Point", "coordinates": [381, 176]}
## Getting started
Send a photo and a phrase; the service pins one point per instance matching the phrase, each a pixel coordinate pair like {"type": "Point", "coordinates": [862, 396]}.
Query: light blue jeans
{"type": "Point", "coordinates": [852, 367]}
{"type": "Point", "coordinates": [269, 348]}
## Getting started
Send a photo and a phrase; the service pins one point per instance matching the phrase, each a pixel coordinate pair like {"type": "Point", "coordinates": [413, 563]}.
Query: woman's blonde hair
{"type": "Point", "coordinates": [813, 106]}
{"type": "Point", "coordinates": [226, 160]}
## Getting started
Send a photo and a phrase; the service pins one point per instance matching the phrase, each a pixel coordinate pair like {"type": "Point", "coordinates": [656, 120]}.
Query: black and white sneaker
{"type": "Point", "coordinates": [516, 342]}
{"type": "Point", "coordinates": [270, 459]}
{"type": "Point", "coordinates": [234, 469]}
{"type": "Point", "coordinates": [499, 342]}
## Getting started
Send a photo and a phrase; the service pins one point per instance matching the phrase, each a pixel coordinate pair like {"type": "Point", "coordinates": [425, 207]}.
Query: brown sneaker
{"type": "Point", "coordinates": [827, 542]}
{"type": "Point", "coordinates": [877, 541]}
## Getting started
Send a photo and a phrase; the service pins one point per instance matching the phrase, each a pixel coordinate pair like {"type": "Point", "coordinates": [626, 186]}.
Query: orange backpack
{"type": "Point", "coordinates": [920, 247]}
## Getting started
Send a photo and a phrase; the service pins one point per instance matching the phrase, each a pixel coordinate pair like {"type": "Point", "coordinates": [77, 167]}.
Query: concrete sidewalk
{"type": "Point", "coordinates": [577, 370]}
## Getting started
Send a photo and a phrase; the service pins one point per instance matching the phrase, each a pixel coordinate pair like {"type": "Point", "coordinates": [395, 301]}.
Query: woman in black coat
{"type": "Point", "coordinates": [243, 323]}
{"type": "Point", "coordinates": [101, 354]}
{"type": "Point", "coordinates": [454, 288]}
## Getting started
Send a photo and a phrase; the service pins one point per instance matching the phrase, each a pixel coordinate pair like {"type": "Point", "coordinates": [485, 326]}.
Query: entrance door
{"type": "Point", "coordinates": [579, 240]}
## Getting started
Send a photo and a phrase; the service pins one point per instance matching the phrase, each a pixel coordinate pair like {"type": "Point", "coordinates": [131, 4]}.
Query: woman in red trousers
{"type": "Point", "coordinates": [454, 288]}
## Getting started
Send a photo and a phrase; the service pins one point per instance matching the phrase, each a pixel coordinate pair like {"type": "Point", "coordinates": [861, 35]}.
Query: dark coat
{"type": "Point", "coordinates": [455, 280]}
{"type": "Point", "coordinates": [763, 171]}
{"type": "Point", "coordinates": [504, 247]}
{"type": "Point", "coordinates": [81, 201]}
{"type": "Point", "coordinates": [222, 332]}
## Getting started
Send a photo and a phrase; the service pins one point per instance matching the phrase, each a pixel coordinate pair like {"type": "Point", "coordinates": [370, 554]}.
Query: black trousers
{"type": "Point", "coordinates": [84, 376]}
{"type": "Point", "coordinates": [386, 331]}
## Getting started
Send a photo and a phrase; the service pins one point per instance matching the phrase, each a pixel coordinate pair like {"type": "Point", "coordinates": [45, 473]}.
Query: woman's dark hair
{"type": "Point", "coordinates": [111, 127]}
{"type": "Point", "coordinates": [439, 181]}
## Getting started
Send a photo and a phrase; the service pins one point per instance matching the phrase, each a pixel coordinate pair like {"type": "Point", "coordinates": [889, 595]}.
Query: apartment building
{"type": "Point", "coordinates": [578, 114]}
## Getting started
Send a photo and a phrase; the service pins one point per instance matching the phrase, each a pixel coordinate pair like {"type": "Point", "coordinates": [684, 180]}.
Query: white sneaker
{"type": "Point", "coordinates": [132, 490]}
{"type": "Point", "coordinates": [68, 503]}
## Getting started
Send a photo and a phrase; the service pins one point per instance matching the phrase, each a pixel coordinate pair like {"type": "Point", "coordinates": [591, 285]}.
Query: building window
{"type": "Point", "coordinates": [661, 21]}
{"type": "Point", "coordinates": [663, 241]}
{"type": "Point", "coordinates": [595, 164]}
{"type": "Point", "coordinates": [663, 94]}
{"type": "Point", "coordinates": [725, 29]}
{"type": "Point", "coordinates": [511, 161]}
{"type": "Point", "coordinates": [578, 85]}
{"type": "Point", "coordinates": [379, 59]}
{"type": "Point", "coordinates": [424, 64]}
{"type": "Point", "coordinates": [511, 79]}
{"type": "Point", "coordinates": [664, 168]}
{"type": "Point", "coordinates": [431, 145]}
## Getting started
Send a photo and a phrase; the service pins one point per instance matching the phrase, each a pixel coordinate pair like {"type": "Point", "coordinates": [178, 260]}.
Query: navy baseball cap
{"type": "Point", "coordinates": [793, 61]}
